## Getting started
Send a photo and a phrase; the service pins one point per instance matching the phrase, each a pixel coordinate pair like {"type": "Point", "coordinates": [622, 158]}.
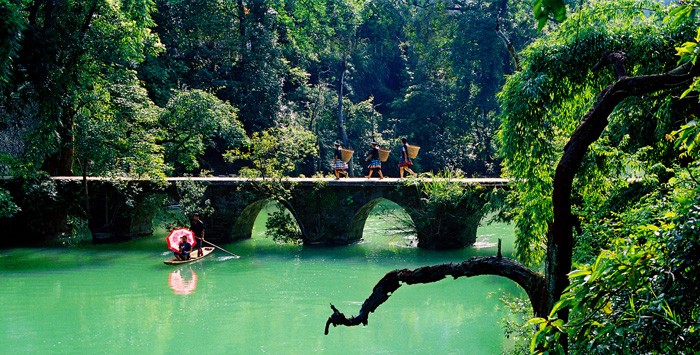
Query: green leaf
{"type": "Point", "coordinates": [535, 321]}
{"type": "Point", "coordinates": [544, 9]}
{"type": "Point", "coordinates": [579, 273]}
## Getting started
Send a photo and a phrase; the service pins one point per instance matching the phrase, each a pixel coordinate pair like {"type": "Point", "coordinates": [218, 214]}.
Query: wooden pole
{"type": "Point", "coordinates": [218, 247]}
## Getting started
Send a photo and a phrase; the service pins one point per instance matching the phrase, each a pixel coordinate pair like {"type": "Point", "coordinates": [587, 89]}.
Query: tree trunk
{"type": "Point", "coordinates": [61, 162]}
{"type": "Point", "coordinates": [318, 163]}
{"type": "Point", "coordinates": [560, 236]}
{"type": "Point", "coordinates": [506, 41]}
{"type": "Point", "coordinates": [341, 117]}
{"type": "Point", "coordinates": [86, 194]}
{"type": "Point", "coordinates": [241, 22]}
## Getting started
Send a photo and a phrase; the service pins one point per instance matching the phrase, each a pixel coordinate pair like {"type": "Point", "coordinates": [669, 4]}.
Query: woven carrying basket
{"type": "Point", "coordinates": [412, 151]}
{"type": "Point", "coordinates": [383, 155]}
{"type": "Point", "coordinates": [346, 154]}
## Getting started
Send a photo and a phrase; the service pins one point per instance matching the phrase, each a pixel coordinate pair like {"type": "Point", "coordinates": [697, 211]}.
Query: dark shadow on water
{"type": "Point", "coordinates": [384, 241]}
{"type": "Point", "coordinates": [54, 259]}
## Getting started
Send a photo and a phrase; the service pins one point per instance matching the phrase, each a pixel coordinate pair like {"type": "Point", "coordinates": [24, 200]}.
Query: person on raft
{"type": "Point", "coordinates": [197, 227]}
{"type": "Point", "coordinates": [184, 249]}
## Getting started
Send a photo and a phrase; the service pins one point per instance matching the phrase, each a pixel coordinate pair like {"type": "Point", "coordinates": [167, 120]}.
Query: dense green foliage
{"type": "Point", "coordinates": [641, 292]}
{"type": "Point", "coordinates": [7, 207]}
{"type": "Point", "coordinates": [281, 226]}
{"type": "Point", "coordinates": [635, 196]}
{"type": "Point", "coordinates": [194, 120]}
{"type": "Point", "coordinates": [192, 200]}
{"type": "Point", "coordinates": [164, 87]}
{"type": "Point", "coordinates": [545, 102]}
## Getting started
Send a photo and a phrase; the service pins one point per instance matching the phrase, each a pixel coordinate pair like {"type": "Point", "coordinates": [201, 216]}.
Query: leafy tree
{"type": "Point", "coordinates": [555, 102]}
{"type": "Point", "coordinates": [259, 78]}
{"type": "Point", "coordinates": [7, 207]}
{"type": "Point", "coordinates": [201, 48]}
{"type": "Point", "coordinates": [10, 38]}
{"type": "Point", "coordinates": [116, 130]}
{"type": "Point", "coordinates": [380, 72]}
{"type": "Point", "coordinates": [457, 61]}
{"type": "Point", "coordinates": [192, 200]}
{"type": "Point", "coordinates": [641, 291]}
{"type": "Point", "coordinates": [282, 227]}
{"type": "Point", "coordinates": [363, 121]}
{"type": "Point", "coordinates": [66, 53]}
{"type": "Point", "coordinates": [228, 48]}
{"type": "Point", "coordinates": [193, 120]}
{"type": "Point", "coordinates": [275, 152]}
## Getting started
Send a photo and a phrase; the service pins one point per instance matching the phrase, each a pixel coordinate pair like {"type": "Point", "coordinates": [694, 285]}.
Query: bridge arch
{"type": "Point", "coordinates": [244, 224]}
{"type": "Point", "coordinates": [359, 220]}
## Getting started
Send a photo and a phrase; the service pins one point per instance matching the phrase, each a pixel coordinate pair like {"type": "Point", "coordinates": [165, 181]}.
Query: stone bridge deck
{"type": "Point", "coordinates": [222, 180]}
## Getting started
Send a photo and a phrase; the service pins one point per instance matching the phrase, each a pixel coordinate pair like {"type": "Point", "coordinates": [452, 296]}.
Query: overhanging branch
{"type": "Point", "coordinates": [532, 282]}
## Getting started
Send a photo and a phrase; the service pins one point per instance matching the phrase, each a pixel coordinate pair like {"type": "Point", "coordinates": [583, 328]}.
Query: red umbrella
{"type": "Point", "coordinates": [173, 239]}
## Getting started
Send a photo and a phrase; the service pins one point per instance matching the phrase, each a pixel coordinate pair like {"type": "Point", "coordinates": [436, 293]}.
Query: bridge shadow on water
{"type": "Point", "coordinates": [388, 237]}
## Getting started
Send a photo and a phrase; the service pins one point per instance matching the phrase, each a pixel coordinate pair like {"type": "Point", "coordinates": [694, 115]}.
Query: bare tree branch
{"type": "Point", "coordinates": [531, 281]}
{"type": "Point", "coordinates": [543, 291]}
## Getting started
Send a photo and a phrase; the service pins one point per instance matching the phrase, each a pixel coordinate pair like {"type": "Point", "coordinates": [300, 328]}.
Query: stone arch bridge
{"type": "Point", "coordinates": [328, 212]}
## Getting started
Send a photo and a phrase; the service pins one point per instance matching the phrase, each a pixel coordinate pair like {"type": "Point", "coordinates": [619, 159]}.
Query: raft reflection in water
{"type": "Point", "coordinates": [182, 285]}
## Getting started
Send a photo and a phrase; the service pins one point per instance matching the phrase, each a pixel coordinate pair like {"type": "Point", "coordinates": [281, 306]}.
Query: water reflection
{"type": "Point", "coordinates": [182, 282]}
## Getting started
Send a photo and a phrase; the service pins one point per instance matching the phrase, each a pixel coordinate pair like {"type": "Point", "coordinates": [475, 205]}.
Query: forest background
{"type": "Point", "coordinates": [488, 88]}
{"type": "Point", "coordinates": [145, 88]}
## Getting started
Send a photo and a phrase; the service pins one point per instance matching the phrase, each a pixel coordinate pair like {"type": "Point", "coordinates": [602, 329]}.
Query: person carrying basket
{"type": "Point", "coordinates": [374, 163]}
{"type": "Point", "coordinates": [340, 167]}
{"type": "Point", "coordinates": [405, 163]}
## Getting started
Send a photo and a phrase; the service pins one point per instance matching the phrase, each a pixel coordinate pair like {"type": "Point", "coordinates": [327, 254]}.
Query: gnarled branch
{"type": "Point", "coordinates": [531, 281]}
{"type": "Point", "coordinates": [617, 58]}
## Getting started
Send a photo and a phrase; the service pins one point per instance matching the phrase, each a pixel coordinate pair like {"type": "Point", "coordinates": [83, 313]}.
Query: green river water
{"type": "Point", "coordinates": [121, 298]}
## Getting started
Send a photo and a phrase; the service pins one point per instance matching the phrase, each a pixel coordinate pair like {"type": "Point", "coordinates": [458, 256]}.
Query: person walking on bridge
{"type": "Point", "coordinates": [374, 162]}
{"type": "Point", "coordinates": [405, 163]}
{"type": "Point", "coordinates": [339, 166]}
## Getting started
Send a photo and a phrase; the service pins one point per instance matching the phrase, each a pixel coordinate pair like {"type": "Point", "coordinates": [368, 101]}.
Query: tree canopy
{"type": "Point", "coordinates": [78, 74]}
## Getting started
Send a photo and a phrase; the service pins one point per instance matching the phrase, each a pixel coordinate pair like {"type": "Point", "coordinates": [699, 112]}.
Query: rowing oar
{"type": "Point", "coordinates": [216, 246]}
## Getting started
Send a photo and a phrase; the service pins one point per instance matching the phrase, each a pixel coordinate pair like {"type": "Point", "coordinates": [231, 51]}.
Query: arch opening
{"type": "Point", "coordinates": [385, 222]}
{"type": "Point", "coordinates": [274, 221]}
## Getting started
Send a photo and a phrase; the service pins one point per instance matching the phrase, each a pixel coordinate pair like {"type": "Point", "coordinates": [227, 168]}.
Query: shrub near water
{"type": "Point", "coordinates": [640, 295]}
{"type": "Point", "coordinates": [443, 203]}
{"type": "Point", "coordinates": [282, 228]}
